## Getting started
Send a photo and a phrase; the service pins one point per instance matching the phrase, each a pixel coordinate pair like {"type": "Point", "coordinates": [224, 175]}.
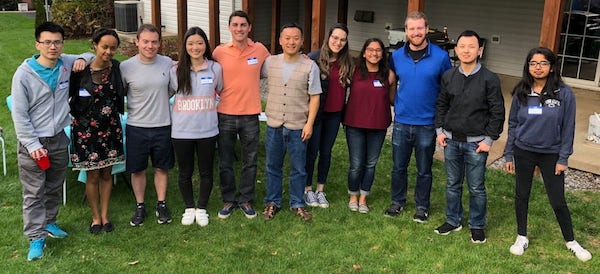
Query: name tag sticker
{"type": "Point", "coordinates": [377, 83]}
{"type": "Point", "coordinates": [252, 61]}
{"type": "Point", "coordinates": [84, 93]}
{"type": "Point", "coordinates": [206, 80]}
{"type": "Point", "coordinates": [535, 110]}
{"type": "Point", "coordinates": [63, 85]}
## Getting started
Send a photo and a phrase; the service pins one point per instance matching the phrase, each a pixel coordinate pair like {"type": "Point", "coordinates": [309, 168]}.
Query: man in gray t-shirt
{"type": "Point", "coordinates": [148, 131]}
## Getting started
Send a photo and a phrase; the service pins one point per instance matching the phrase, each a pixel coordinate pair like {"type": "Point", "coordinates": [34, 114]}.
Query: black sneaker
{"type": "Point", "coordinates": [421, 216]}
{"type": "Point", "coordinates": [446, 228]}
{"type": "Point", "coordinates": [163, 214]}
{"type": "Point", "coordinates": [139, 216]}
{"type": "Point", "coordinates": [393, 211]}
{"type": "Point", "coordinates": [227, 209]}
{"type": "Point", "coordinates": [478, 236]}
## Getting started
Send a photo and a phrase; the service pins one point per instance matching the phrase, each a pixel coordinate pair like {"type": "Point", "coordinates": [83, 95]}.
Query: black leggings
{"type": "Point", "coordinates": [185, 150]}
{"type": "Point", "coordinates": [525, 163]}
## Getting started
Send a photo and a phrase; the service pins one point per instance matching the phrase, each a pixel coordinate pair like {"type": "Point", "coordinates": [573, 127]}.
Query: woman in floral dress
{"type": "Point", "coordinates": [97, 136]}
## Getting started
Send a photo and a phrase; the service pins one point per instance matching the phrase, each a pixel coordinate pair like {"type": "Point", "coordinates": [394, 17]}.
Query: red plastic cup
{"type": "Point", "coordinates": [44, 162]}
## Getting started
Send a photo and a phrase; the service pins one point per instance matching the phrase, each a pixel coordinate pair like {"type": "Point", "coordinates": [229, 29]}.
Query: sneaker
{"type": "Point", "coordinates": [446, 228]}
{"type": "Point", "coordinates": [353, 206]}
{"type": "Point", "coordinates": [301, 211]}
{"type": "Point", "coordinates": [582, 254]}
{"type": "Point", "coordinates": [55, 232]}
{"type": "Point", "coordinates": [270, 210]}
{"type": "Point", "coordinates": [36, 249]}
{"type": "Point", "coordinates": [189, 216]}
{"type": "Point", "coordinates": [248, 210]}
{"type": "Point", "coordinates": [323, 203]}
{"type": "Point", "coordinates": [363, 209]}
{"type": "Point", "coordinates": [139, 216]}
{"type": "Point", "coordinates": [201, 217]}
{"type": "Point", "coordinates": [310, 198]}
{"type": "Point", "coordinates": [163, 214]}
{"type": "Point", "coordinates": [393, 211]}
{"type": "Point", "coordinates": [421, 216]}
{"type": "Point", "coordinates": [227, 209]}
{"type": "Point", "coordinates": [478, 236]}
{"type": "Point", "coordinates": [518, 248]}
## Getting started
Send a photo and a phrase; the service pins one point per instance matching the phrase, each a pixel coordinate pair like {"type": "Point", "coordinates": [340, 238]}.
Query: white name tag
{"type": "Point", "coordinates": [252, 61]}
{"type": "Point", "coordinates": [206, 80]}
{"type": "Point", "coordinates": [535, 110]}
{"type": "Point", "coordinates": [377, 83]}
{"type": "Point", "coordinates": [63, 85]}
{"type": "Point", "coordinates": [84, 93]}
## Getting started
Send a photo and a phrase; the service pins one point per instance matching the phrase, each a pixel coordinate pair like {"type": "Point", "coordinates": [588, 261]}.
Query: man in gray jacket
{"type": "Point", "coordinates": [40, 93]}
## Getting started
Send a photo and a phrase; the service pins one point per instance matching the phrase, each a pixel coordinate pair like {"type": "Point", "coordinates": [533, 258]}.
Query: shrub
{"type": "Point", "coordinates": [40, 12]}
{"type": "Point", "coordinates": [80, 18]}
{"type": "Point", "coordinates": [8, 5]}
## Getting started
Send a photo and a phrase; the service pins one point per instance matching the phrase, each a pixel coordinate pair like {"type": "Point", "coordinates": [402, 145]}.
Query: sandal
{"type": "Point", "coordinates": [95, 228]}
{"type": "Point", "coordinates": [109, 227]}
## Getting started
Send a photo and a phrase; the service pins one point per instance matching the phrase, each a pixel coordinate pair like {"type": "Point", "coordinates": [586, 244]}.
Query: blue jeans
{"type": "Point", "coordinates": [404, 139]}
{"type": "Point", "coordinates": [277, 142]}
{"type": "Point", "coordinates": [460, 160]}
{"type": "Point", "coordinates": [321, 142]}
{"type": "Point", "coordinates": [247, 129]}
{"type": "Point", "coordinates": [364, 147]}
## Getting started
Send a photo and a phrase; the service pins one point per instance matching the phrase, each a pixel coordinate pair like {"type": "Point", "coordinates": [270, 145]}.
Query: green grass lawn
{"type": "Point", "coordinates": [336, 241]}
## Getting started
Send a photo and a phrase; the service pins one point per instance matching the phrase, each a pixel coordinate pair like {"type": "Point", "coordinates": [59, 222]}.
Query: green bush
{"type": "Point", "coordinates": [80, 18]}
{"type": "Point", "coordinates": [8, 5]}
{"type": "Point", "coordinates": [40, 12]}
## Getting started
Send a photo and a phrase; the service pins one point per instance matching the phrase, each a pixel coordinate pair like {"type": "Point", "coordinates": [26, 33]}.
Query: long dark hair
{"type": "Point", "coordinates": [343, 58]}
{"type": "Point", "coordinates": [553, 82]}
{"type": "Point", "coordinates": [184, 84]}
{"type": "Point", "coordinates": [384, 68]}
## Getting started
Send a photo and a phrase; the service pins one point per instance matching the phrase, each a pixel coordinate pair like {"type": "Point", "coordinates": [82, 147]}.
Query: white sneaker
{"type": "Point", "coordinates": [518, 248]}
{"type": "Point", "coordinates": [201, 217]}
{"type": "Point", "coordinates": [582, 254]}
{"type": "Point", "coordinates": [188, 216]}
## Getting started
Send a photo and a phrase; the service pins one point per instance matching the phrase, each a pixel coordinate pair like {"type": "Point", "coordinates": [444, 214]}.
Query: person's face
{"type": "Point", "coordinates": [373, 53]}
{"type": "Point", "coordinates": [195, 46]}
{"type": "Point", "coordinates": [539, 66]}
{"type": "Point", "coordinates": [106, 47]}
{"type": "Point", "coordinates": [148, 44]}
{"type": "Point", "coordinates": [337, 40]}
{"type": "Point", "coordinates": [50, 45]}
{"type": "Point", "coordinates": [416, 31]}
{"type": "Point", "coordinates": [291, 41]}
{"type": "Point", "coordinates": [467, 49]}
{"type": "Point", "coordinates": [239, 28]}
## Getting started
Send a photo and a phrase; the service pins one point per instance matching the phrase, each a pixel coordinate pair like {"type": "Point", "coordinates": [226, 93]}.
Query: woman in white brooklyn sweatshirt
{"type": "Point", "coordinates": [196, 81]}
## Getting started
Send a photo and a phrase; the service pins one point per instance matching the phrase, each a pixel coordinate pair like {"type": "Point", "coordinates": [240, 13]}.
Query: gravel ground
{"type": "Point", "coordinates": [574, 179]}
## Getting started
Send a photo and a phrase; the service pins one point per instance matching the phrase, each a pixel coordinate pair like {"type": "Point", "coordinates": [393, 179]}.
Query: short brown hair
{"type": "Point", "coordinates": [150, 28]}
{"type": "Point", "coordinates": [416, 15]}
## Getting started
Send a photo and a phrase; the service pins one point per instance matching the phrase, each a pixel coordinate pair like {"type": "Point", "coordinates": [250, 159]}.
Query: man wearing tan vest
{"type": "Point", "coordinates": [292, 105]}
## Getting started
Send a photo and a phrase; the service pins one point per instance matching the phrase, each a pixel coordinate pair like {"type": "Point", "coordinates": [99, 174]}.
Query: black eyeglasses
{"type": "Point", "coordinates": [542, 63]}
{"type": "Point", "coordinates": [48, 43]}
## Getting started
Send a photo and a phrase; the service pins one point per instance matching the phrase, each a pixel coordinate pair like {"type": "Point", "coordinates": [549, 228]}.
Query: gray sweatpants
{"type": "Point", "coordinates": [42, 189]}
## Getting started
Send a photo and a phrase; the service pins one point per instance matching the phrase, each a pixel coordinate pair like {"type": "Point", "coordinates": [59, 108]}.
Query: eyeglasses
{"type": "Point", "coordinates": [372, 50]}
{"type": "Point", "coordinates": [48, 43]}
{"type": "Point", "coordinates": [542, 63]}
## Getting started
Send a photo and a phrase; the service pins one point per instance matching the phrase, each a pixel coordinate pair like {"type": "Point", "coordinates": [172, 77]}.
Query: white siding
{"type": "Point", "coordinates": [198, 15]}
{"type": "Point", "coordinates": [169, 15]}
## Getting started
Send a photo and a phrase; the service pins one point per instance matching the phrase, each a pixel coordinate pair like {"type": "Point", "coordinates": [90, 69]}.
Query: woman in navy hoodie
{"type": "Point", "coordinates": [541, 127]}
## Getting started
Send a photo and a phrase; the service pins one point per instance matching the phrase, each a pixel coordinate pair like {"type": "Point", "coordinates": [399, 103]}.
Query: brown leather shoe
{"type": "Point", "coordinates": [301, 211]}
{"type": "Point", "coordinates": [270, 211]}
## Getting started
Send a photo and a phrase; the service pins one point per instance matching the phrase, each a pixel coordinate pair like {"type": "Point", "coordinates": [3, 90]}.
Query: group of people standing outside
{"type": "Point", "coordinates": [217, 102]}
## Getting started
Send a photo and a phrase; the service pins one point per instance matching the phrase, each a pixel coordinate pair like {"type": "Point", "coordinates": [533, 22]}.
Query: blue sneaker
{"type": "Point", "coordinates": [227, 209]}
{"type": "Point", "coordinates": [55, 232]}
{"type": "Point", "coordinates": [36, 249]}
{"type": "Point", "coordinates": [249, 212]}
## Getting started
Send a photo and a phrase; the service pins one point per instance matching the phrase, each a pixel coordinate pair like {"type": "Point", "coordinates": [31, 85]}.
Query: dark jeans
{"type": "Point", "coordinates": [525, 163]}
{"type": "Point", "coordinates": [321, 142]}
{"type": "Point", "coordinates": [462, 161]}
{"type": "Point", "coordinates": [246, 128]}
{"type": "Point", "coordinates": [364, 147]}
{"type": "Point", "coordinates": [185, 151]}
{"type": "Point", "coordinates": [404, 139]}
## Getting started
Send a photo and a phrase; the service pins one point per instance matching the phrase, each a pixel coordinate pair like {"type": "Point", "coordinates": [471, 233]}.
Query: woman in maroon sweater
{"type": "Point", "coordinates": [367, 118]}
